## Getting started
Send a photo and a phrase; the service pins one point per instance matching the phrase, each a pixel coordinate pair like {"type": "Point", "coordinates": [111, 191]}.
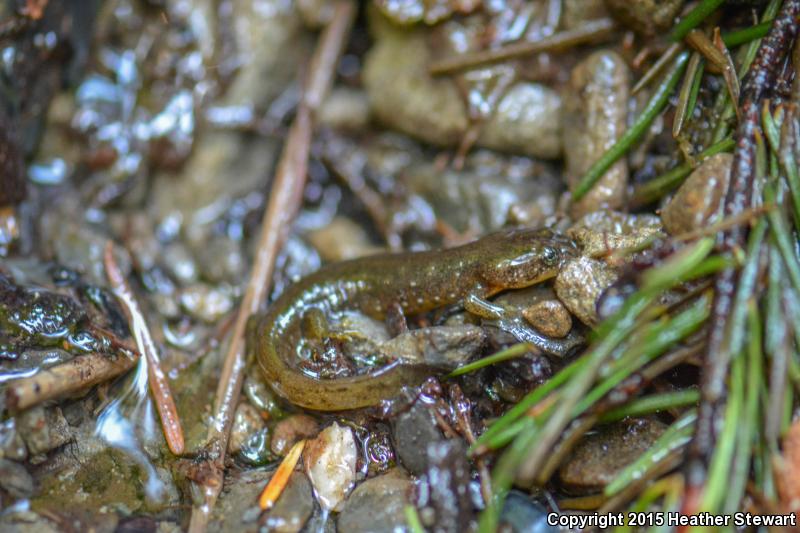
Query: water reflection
{"type": "Point", "coordinates": [128, 421]}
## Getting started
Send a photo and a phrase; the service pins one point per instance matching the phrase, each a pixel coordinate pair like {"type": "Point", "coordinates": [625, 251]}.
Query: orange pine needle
{"type": "Point", "coordinates": [542, 406]}
{"type": "Point", "coordinates": [277, 483]}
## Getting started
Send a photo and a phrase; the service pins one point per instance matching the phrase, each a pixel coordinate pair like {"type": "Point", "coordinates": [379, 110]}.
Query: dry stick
{"type": "Point", "coordinates": [661, 63]}
{"type": "Point", "coordinates": [698, 40]}
{"type": "Point", "coordinates": [759, 80]}
{"type": "Point", "coordinates": [591, 31]}
{"type": "Point", "coordinates": [59, 381]}
{"type": "Point", "coordinates": [284, 202]}
{"type": "Point", "coordinates": [157, 380]}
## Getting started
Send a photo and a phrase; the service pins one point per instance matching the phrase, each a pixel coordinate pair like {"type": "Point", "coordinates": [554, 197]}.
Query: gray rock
{"type": "Point", "coordinates": [523, 515]}
{"type": "Point", "coordinates": [15, 480]}
{"type": "Point", "coordinates": [376, 505]}
{"type": "Point", "coordinates": [293, 508]}
{"type": "Point", "coordinates": [412, 432]}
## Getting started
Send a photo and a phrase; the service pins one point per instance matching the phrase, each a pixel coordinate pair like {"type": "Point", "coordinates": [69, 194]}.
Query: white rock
{"type": "Point", "coordinates": [330, 462]}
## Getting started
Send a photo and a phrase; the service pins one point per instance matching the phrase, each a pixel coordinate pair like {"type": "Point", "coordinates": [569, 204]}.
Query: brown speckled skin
{"type": "Point", "coordinates": [418, 282]}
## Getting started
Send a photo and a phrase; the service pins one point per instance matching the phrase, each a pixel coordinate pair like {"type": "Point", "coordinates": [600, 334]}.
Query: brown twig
{"type": "Point", "coordinates": [62, 380]}
{"type": "Point", "coordinates": [589, 32]}
{"type": "Point", "coordinates": [760, 79]}
{"type": "Point", "coordinates": [661, 63]}
{"type": "Point", "coordinates": [284, 202]}
{"type": "Point", "coordinates": [157, 380]}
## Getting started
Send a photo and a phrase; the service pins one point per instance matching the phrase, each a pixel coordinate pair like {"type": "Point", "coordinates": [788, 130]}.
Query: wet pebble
{"type": "Point", "coordinates": [446, 487]}
{"type": "Point", "coordinates": [430, 12]}
{"type": "Point", "coordinates": [489, 192]}
{"type": "Point", "coordinates": [595, 111]}
{"type": "Point", "coordinates": [330, 462]}
{"type": "Point", "coordinates": [647, 17]}
{"type": "Point", "coordinates": [255, 449]}
{"type": "Point", "coordinates": [376, 505]}
{"type": "Point", "coordinates": [43, 430]}
{"type": "Point", "coordinates": [523, 515]}
{"type": "Point", "coordinates": [345, 109]}
{"type": "Point", "coordinates": [77, 244]}
{"type": "Point", "coordinates": [179, 262]}
{"type": "Point", "coordinates": [23, 521]}
{"type": "Point", "coordinates": [15, 479]}
{"type": "Point", "coordinates": [518, 376]}
{"type": "Point", "coordinates": [404, 96]}
{"type": "Point", "coordinates": [11, 444]}
{"type": "Point", "coordinates": [260, 396]}
{"type": "Point", "coordinates": [246, 421]}
{"type": "Point", "coordinates": [599, 457]}
{"type": "Point", "coordinates": [527, 121]}
{"type": "Point", "coordinates": [221, 259]}
{"type": "Point", "coordinates": [237, 508]}
{"type": "Point", "coordinates": [575, 13]}
{"type": "Point", "coordinates": [290, 430]}
{"type": "Point", "coordinates": [293, 508]}
{"type": "Point", "coordinates": [342, 239]}
{"type": "Point", "coordinates": [315, 13]}
{"type": "Point", "coordinates": [206, 302]}
{"type": "Point", "coordinates": [580, 284]}
{"type": "Point", "coordinates": [697, 202]}
{"type": "Point", "coordinates": [550, 317]}
{"type": "Point", "coordinates": [412, 432]}
{"type": "Point", "coordinates": [446, 347]}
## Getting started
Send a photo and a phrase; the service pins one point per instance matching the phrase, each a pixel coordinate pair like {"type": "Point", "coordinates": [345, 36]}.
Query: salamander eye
{"type": "Point", "coordinates": [549, 256]}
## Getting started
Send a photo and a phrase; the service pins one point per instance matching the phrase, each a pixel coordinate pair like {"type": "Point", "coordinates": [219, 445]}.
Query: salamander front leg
{"type": "Point", "coordinates": [483, 308]}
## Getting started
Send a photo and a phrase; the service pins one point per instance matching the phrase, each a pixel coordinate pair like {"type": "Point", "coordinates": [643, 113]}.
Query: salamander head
{"type": "Point", "coordinates": [523, 257]}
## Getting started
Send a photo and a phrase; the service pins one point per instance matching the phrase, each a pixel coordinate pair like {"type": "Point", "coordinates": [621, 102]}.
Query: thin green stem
{"type": "Point", "coordinates": [653, 404]}
{"type": "Point", "coordinates": [694, 18]}
{"type": "Point", "coordinates": [735, 38]}
{"type": "Point", "coordinates": [511, 352]}
{"type": "Point", "coordinates": [412, 519]}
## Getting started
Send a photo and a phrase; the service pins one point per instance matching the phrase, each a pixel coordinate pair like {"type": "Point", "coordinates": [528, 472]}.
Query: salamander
{"type": "Point", "coordinates": [417, 282]}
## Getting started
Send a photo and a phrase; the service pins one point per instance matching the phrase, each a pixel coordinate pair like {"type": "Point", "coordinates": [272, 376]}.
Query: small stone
{"type": "Point", "coordinates": [342, 239]}
{"type": "Point", "coordinates": [697, 202]}
{"type": "Point", "coordinates": [523, 515]}
{"type": "Point", "coordinates": [290, 430]}
{"type": "Point", "coordinates": [260, 396]}
{"type": "Point", "coordinates": [596, 111]}
{"type": "Point", "coordinates": [599, 457]}
{"type": "Point", "coordinates": [43, 430]}
{"type": "Point", "coordinates": [293, 508]}
{"type": "Point", "coordinates": [330, 462]}
{"type": "Point", "coordinates": [246, 421]}
{"type": "Point", "coordinates": [580, 284]}
{"type": "Point", "coordinates": [345, 109]}
{"type": "Point", "coordinates": [179, 262]}
{"type": "Point", "coordinates": [550, 317]}
{"type": "Point", "coordinates": [15, 480]}
{"type": "Point", "coordinates": [205, 302]}
{"type": "Point", "coordinates": [647, 17]}
{"type": "Point", "coordinates": [255, 448]}
{"type": "Point", "coordinates": [448, 478]}
{"type": "Point", "coordinates": [377, 504]}
{"type": "Point", "coordinates": [413, 430]}
{"type": "Point", "coordinates": [11, 444]}
{"type": "Point", "coordinates": [221, 260]}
